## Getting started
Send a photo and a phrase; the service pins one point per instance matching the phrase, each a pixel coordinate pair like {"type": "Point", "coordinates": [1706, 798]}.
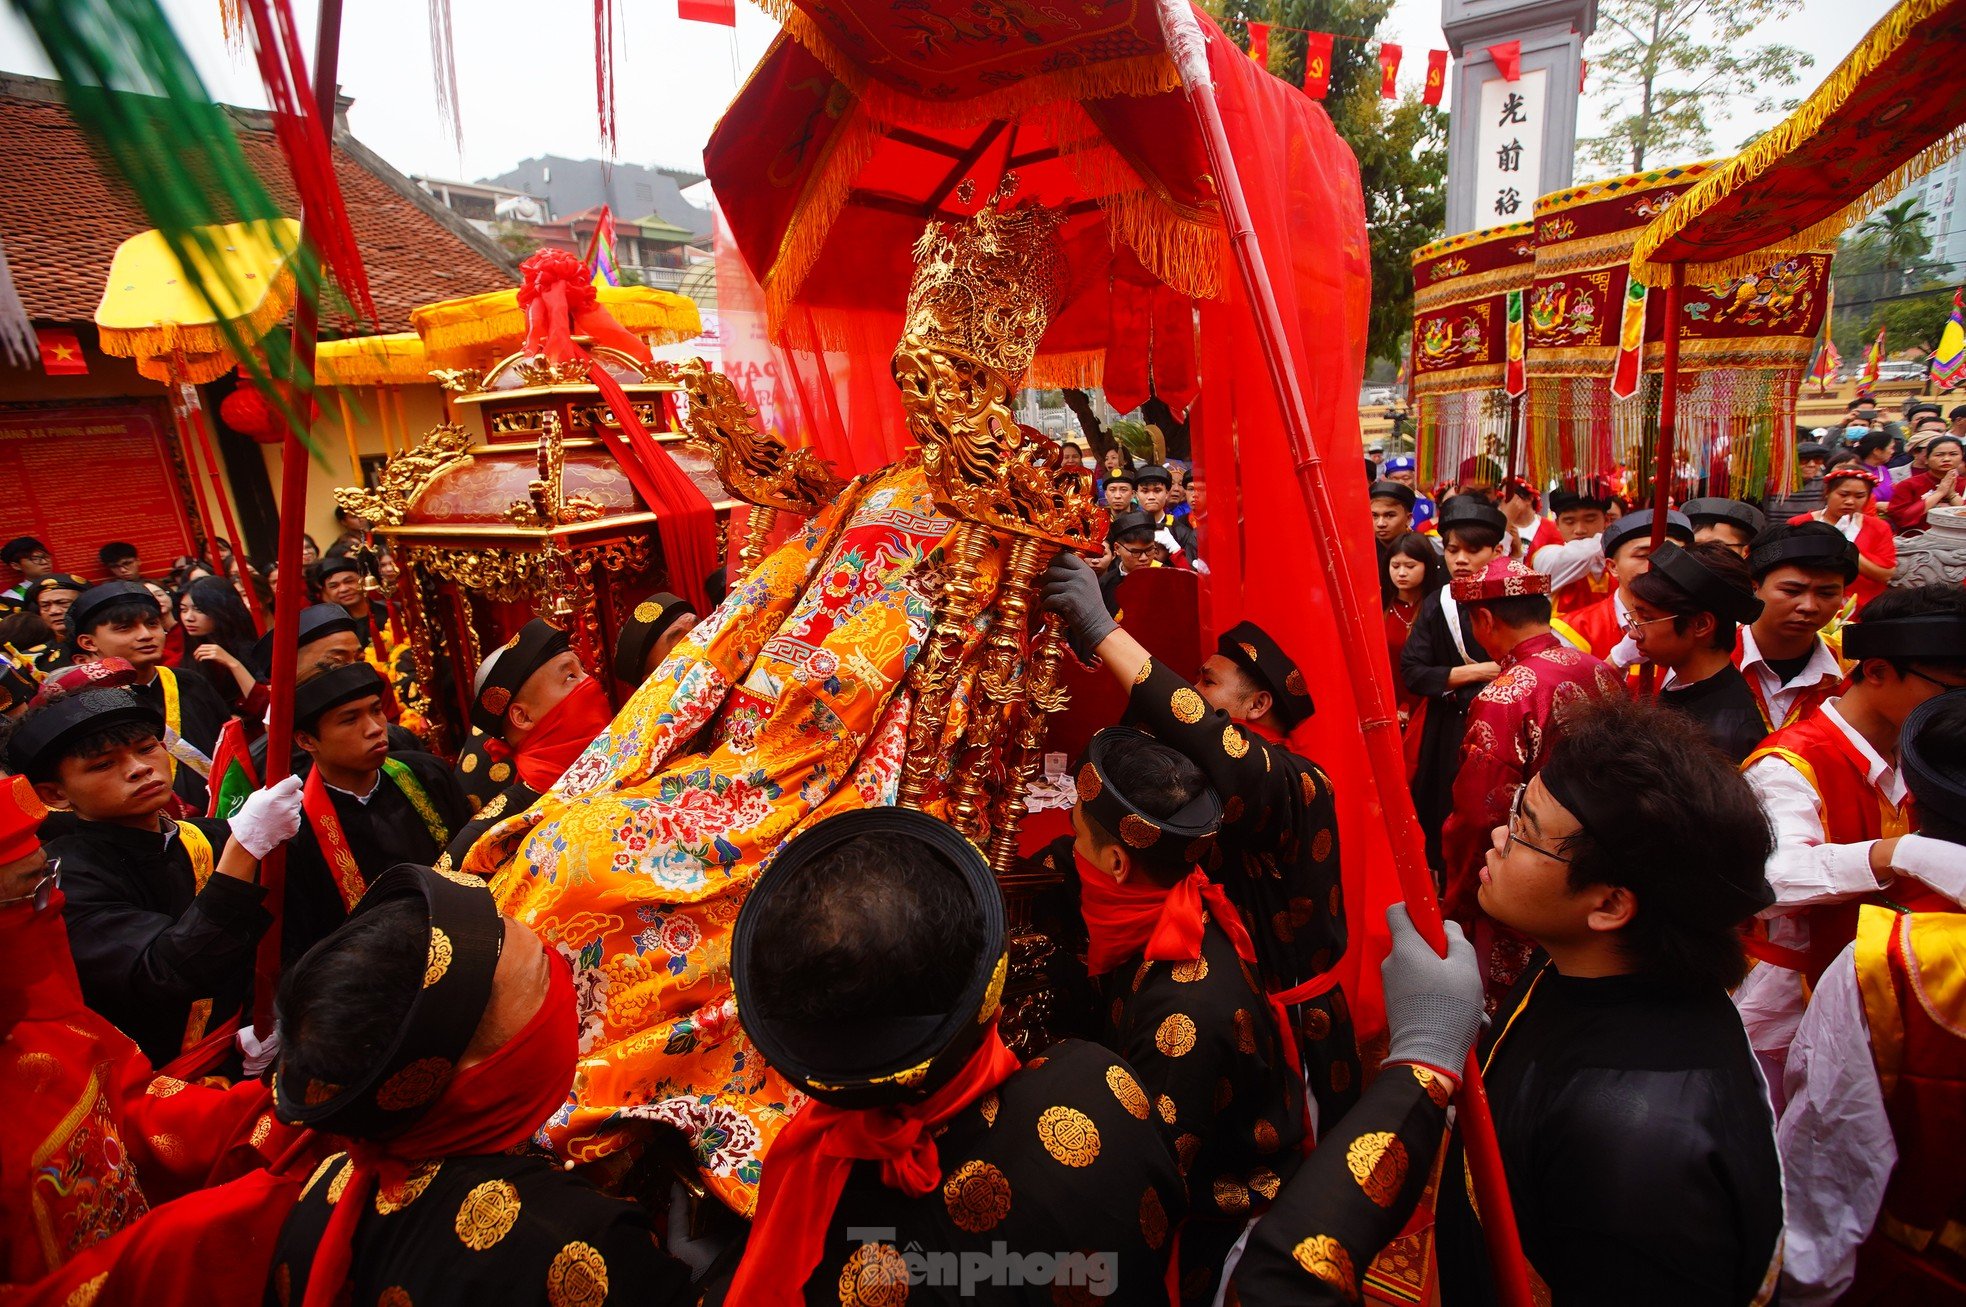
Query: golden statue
{"type": "Point", "coordinates": [886, 653]}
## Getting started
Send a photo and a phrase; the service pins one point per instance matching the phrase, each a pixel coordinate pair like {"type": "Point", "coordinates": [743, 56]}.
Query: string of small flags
{"type": "Point", "coordinates": [1507, 57]}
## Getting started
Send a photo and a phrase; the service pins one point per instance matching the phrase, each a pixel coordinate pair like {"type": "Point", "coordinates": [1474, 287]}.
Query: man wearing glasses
{"type": "Point", "coordinates": [1832, 789]}
{"type": "Point", "coordinates": [92, 1125]}
{"type": "Point", "coordinates": [1511, 725]}
{"type": "Point", "coordinates": [31, 561]}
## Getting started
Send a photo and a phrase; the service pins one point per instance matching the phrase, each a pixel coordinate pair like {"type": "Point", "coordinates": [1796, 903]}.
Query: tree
{"type": "Point", "coordinates": [1912, 321]}
{"type": "Point", "coordinates": [1401, 146]}
{"type": "Point", "coordinates": [1898, 237]}
{"type": "Point", "coordinates": [1877, 264]}
{"type": "Point", "coordinates": [1664, 65]}
{"type": "Point", "coordinates": [517, 238]}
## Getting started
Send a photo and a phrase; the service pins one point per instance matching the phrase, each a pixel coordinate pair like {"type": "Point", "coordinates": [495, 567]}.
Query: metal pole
{"type": "Point", "coordinates": [1382, 741]}
{"type": "Point", "coordinates": [293, 523]}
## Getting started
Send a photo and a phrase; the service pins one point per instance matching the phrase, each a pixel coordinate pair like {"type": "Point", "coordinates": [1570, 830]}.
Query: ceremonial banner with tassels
{"type": "Point", "coordinates": [1873, 363]}
{"type": "Point", "coordinates": [1744, 342]}
{"type": "Point", "coordinates": [1463, 288]}
{"type": "Point", "coordinates": [1949, 359]}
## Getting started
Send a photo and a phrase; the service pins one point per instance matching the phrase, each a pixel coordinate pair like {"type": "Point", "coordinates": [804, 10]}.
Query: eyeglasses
{"type": "Point", "coordinates": [43, 891]}
{"type": "Point", "coordinates": [1635, 625]}
{"type": "Point", "coordinates": [1944, 686]}
{"type": "Point", "coordinates": [1515, 820]}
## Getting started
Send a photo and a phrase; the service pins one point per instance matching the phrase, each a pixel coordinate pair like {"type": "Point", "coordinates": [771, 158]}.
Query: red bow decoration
{"type": "Point", "coordinates": [558, 299]}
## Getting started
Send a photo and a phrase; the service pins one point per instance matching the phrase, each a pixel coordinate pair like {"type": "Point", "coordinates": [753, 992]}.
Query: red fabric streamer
{"type": "Point", "coordinates": [306, 142]}
{"type": "Point", "coordinates": [562, 733]}
{"type": "Point", "coordinates": [1174, 350]}
{"type": "Point", "coordinates": [1317, 64]}
{"type": "Point", "coordinates": [604, 73]}
{"type": "Point", "coordinates": [1129, 315]}
{"type": "Point", "coordinates": [1508, 59]}
{"type": "Point", "coordinates": [809, 1163]}
{"type": "Point", "coordinates": [1389, 55]}
{"type": "Point", "coordinates": [490, 1107]}
{"type": "Point", "coordinates": [1436, 76]}
{"type": "Point", "coordinates": [1259, 44]}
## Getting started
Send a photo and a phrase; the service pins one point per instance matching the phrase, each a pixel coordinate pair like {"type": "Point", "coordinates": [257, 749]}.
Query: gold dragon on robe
{"type": "Point", "coordinates": [889, 651]}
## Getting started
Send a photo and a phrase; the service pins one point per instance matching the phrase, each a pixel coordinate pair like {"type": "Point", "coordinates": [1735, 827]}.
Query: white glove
{"type": "Point", "coordinates": [258, 1056]}
{"type": "Point", "coordinates": [268, 818]}
{"type": "Point", "coordinates": [1165, 539]}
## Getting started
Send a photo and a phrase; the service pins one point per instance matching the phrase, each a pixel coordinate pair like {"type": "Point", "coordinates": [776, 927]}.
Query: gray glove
{"type": "Point", "coordinates": [1071, 589]}
{"type": "Point", "coordinates": [1433, 1003]}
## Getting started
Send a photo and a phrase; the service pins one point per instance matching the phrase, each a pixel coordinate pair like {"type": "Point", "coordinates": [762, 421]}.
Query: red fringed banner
{"type": "Point", "coordinates": [306, 142]}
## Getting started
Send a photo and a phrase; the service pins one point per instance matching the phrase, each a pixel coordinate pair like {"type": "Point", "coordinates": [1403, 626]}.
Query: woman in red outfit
{"type": "Point", "coordinates": [1410, 575]}
{"type": "Point", "coordinates": [1938, 486]}
{"type": "Point", "coordinates": [1848, 491]}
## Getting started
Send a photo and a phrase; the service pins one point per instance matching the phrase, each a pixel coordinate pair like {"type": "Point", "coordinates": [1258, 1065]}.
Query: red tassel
{"type": "Point", "coordinates": [604, 72]}
{"type": "Point", "coordinates": [305, 141]}
{"type": "Point", "coordinates": [1174, 350]}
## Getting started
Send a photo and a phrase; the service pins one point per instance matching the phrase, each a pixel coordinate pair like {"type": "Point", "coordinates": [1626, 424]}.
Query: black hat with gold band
{"type": "Point", "coordinates": [884, 1061]}
{"type": "Point", "coordinates": [1180, 840]}
{"type": "Point", "coordinates": [503, 674]}
{"type": "Point", "coordinates": [1250, 647]}
{"type": "Point", "coordinates": [40, 585]}
{"type": "Point", "coordinates": [645, 625]}
{"type": "Point", "coordinates": [466, 936]}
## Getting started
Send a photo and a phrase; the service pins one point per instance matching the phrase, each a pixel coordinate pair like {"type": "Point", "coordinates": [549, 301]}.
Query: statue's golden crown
{"type": "Point", "coordinates": [986, 287]}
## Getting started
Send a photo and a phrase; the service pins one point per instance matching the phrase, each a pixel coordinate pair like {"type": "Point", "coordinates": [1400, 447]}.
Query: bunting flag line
{"type": "Point", "coordinates": [1259, 44]}
{"type": "Point", "coordinates": [1508, 59]}
{"type": "Point", "coordinates": [61, 353]}
{"type": "Point", "coordinates": [1515, 381]}
{"type": "Point", "coordinates": [1317, 64]}
{"type": "Point", "coordinates": [721, 12]}
{"type": "Point", "coordinates": [1949, 359]}
{"type": "Point", "coordinates": [1436, 77]}
{"type": "Point", "coordinates": [1388, 70]}
{"type": "Point", "coordinates": [1630, 367]}
{"type": "Point", "coordinates": [600, 251]}
{"type": "Point", "coordinates": [16, 331]}
{"type": "Point", "coordinates": [1873, 362]}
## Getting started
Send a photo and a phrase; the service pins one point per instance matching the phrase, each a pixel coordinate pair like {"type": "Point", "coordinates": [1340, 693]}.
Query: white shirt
{"type": "Point", "coordinates": [1573, 560]}
{"type": "Point", "coordinates": [1835, 1140]}
{"type": "Point", "coordinates": [362, 799]}
{"type": "Point", "coordinates": [1779, 696]}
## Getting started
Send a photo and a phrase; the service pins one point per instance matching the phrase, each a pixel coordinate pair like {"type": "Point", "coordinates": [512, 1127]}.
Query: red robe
{"type": "Point", "coordinates": [1600, 623]}
{"type": "Point", "coordinates": [1507, 742]}
{"type": "Point", "coordinates": [93, 1138]}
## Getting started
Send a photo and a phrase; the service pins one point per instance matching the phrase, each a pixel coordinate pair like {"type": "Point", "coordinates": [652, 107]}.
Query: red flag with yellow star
{"type": "Point", "coordinates": [61, 353]}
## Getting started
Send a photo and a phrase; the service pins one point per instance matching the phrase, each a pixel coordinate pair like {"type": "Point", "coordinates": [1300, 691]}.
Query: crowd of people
{"type": "Point", "coordinates": [1693, 814]}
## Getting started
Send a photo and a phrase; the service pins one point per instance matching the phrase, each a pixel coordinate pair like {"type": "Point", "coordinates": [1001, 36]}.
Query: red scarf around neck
{"type": "Point", "coordinates": [490, 1107]}
{"type": "Point", "coordinates": [566, 729]}
{"type": "Point", "coordinates": [812, 1157]}
{"type": "Point", "coordinates": [1161, 923]}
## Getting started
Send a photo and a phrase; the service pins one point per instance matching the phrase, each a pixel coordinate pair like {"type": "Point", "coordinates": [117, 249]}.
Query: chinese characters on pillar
{"type": "Point", "coordinates": [1509, 156]}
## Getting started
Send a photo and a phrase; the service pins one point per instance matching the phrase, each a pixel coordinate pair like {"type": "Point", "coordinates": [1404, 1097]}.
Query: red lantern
{"type": "Point", "coordinates": [246, 411]}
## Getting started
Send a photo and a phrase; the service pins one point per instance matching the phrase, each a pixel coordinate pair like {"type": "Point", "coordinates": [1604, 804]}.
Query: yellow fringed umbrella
{"type": "Point", "coordinates": [477, 328]}
{"type": "Point", "coordinates": [393, 360]}
{"type": "Point", "coordinates": [152, 312]}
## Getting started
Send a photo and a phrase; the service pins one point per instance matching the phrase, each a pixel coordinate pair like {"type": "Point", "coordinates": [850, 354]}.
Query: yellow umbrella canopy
{"type": "Point", "coordinates": [393, 360]}
{"type": "Point", "coordinates": [154, 312]}
{"type": "Point", "coordinates": [477, 328]}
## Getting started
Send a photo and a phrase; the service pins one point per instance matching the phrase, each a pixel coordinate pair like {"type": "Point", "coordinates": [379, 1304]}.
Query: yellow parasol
{"type": "Point", "coordinates": [459, 332]}
{"type": "Point", "coordinates": [152, 312]}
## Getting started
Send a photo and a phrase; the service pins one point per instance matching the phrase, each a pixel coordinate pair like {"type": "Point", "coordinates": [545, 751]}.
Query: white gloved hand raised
{"type": "Point", "coordinates": [268, 818]}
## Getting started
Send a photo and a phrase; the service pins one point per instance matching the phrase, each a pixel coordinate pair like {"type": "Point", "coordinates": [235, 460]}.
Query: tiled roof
{"type": "Point", "coordinates": [62, 215]}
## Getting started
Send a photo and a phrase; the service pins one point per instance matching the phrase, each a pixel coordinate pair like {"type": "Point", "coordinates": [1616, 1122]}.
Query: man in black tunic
{"type": "Point", "coordinates": [1278, 853]}
{"type": "Point", "coordinates": [1182, 1004]}
{"type": "Point", "coordinates": [50, 598]}
{"type": "Point", "coordinates": [1443, 661]}
{"type": "Point", "coordinates": [122, 619]}
{"type": "Point", "coordinates": [439, 1199]}
{"type": "Point", "coordinates": [367, 807]}
{"type": "Point", "coordinates": [1634, 1124]}
{"type": "Point", "coordinates": [1685, 612]}
{"type": "Point", "coordinates": [344, 582]}
{"type": "Point", "coordinates": [163, 916]}
{"type": "Point", "coordinates": [869, 963]}
{"type": "Point", "coordinates": [537, 708]}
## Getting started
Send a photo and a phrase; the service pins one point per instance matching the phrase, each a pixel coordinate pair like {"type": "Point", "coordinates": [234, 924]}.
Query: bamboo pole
{"type": "Point", "coordinates": [1383, 746]}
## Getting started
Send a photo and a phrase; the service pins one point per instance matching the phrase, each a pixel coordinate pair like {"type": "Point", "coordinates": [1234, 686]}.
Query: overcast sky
{"type": "Point", "coordinates": [526, 74]}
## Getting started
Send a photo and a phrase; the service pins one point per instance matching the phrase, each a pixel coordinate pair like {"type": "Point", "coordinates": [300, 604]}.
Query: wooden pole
{"type": "Point", "coordinates": [293, 523]}
{"type": "Point", "coordinates": [1382, 739]}
{"type": "Point", "coordinates": [1668, 421]}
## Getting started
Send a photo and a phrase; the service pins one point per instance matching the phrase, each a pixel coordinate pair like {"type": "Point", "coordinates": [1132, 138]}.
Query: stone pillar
{"type": "Point", "coordinates": [1508, 143]}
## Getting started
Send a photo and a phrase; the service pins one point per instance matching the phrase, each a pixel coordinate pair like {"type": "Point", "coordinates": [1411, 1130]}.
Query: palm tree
{"type": "Point", "coordinates": [1898, 238]}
